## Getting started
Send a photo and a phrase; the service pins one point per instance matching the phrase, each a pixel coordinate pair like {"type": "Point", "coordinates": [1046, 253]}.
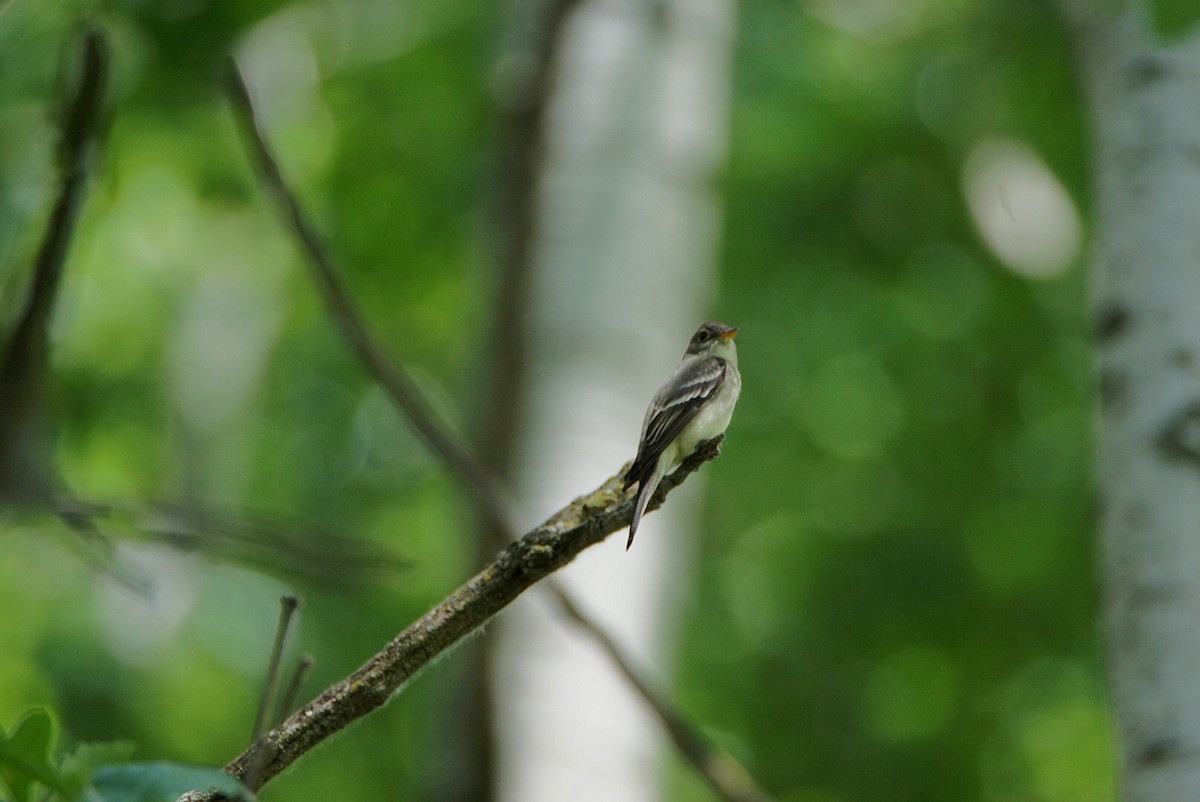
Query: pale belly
{"type": "Point", "coordinates": [711, 421]}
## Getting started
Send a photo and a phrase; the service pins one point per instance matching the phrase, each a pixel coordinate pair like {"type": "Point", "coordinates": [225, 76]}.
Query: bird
{"type": "Point", "coordinates": [694, 404]}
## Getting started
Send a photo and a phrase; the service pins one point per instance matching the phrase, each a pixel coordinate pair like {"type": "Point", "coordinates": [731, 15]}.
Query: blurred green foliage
{"type": "Point", "coordinates": [94, 772]}
{"type": "Point", "coordinates": [895, 598]}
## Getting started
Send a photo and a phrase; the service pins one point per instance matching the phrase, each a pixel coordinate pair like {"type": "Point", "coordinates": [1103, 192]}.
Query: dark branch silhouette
{"type": "Point", "coordinates": [27, 476]}
{"type": "Point", "coordinates": [521, 101]}
{"type": "Point", "coordinates": [24, 471]}
{"type": "Point", "coordinates": [342, 310]}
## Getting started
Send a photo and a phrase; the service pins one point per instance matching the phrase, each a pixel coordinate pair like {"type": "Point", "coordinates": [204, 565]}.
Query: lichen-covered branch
{"type": "Point", "coordinates": [584, 522]}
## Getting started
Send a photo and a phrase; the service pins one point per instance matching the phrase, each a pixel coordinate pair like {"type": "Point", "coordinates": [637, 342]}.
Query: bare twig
{"type": "Point", "coordinates": [526, 77]}
{"type": "Point", "coordinates": [584, 522]}
{"type": "Point", "coordinates": [255, 539]}
{"type": "Point", "coordinates": [724, 775]}
{"type": "Point", "coordinates": [266, 705]}
{"type": "Point", "coordinates": [390, 375]}
{"type": "Point", "coordinates": [97, 551]}
{"type": "Point", "coordinates": [288, 701]}
{"type": "Point", "coordinates": [523, 98]}
{"type": "Point", "coordinates": [25, 474]}
{"type": "Point", "coordinates": [719, 769]}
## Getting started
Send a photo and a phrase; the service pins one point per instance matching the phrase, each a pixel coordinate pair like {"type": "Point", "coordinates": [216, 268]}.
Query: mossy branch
{"type": "Point", "coordinates": [584, 522]}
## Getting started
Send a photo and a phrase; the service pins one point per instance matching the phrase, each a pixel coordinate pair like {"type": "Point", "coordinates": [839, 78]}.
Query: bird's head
{"type": "Point", "coordinates": [714, 338]}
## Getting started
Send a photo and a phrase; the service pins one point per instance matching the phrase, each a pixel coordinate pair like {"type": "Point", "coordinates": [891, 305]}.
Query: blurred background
{"type": "Point", "coordinates": [882, 590]}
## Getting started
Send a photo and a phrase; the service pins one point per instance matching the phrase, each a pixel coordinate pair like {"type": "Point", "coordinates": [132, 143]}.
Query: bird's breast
{"type": "Point", "coordinates": [710, 421]}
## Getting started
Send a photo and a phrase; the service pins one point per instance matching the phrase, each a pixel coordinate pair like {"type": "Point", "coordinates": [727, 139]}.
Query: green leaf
{"type": "Point", "coordinates": [25, 756]}
{"type": "Point", "coordinates": [158, 782]}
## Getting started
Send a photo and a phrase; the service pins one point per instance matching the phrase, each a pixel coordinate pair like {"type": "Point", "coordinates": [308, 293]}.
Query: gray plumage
{"type": "Point", "coordinates": [694, 404]}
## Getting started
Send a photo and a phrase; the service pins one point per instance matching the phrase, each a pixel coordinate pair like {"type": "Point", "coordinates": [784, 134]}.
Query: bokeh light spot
{"type": "Point", "coordinates": [1021, 209]}
{"type": "Point", "coordinates": [1054, 742]}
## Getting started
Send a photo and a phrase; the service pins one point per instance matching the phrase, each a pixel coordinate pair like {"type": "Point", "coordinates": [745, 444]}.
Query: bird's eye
{"type": "Point", "coordinates": [701, 336]}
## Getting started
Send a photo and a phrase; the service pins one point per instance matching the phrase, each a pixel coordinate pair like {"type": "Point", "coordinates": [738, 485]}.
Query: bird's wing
{"type": "Point", "coordinates": [692, 383]}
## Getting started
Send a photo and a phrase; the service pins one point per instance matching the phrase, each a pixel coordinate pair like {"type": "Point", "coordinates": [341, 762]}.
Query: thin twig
{"type": "Point", "coordinates": [97, 551]}
{"type": "Point", "coordinates": [266, 705]}
{"type": "Point", "coordinates": [390, 375]}
{"type": "Point", "coordinates": [287, 702]}
{"type": "Point", "coordinates": [321, 555]}
{"type": "Point", "coordinates": [584, 522]}
{"type": "Point", "coordinates": [724, 775]}
{"type": "Point", "coordinates": [523, 102]}
{"type": "Point", "coordinates": [393, 379]}
{"type": "Point", "coordinates": [247, 538]}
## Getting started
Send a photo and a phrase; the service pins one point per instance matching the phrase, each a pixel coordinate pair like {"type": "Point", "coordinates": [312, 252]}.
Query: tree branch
{"type": "Point", "coordinates": [26, 475]}
{"type": "Point", "coordinates": [521, 101]}
{"type": "Point", "coordinates": [23, 363]}
{"type": "Point", "coordinates": [390, 375]}
{"type": "Point", "coordinates": [719, 769]}
{"type": "Point", "coordinates": [256, 540]}
{"type": "Point", "coordinates": [724, 775]}
{"type": "Point", "coordinates": [584, 522]}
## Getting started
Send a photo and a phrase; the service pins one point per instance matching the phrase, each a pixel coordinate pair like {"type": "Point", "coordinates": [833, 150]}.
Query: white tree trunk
{"type": "Point", "coordinates": [1145, 104]}
{"type": "Point", "coordinates": [625, 243]}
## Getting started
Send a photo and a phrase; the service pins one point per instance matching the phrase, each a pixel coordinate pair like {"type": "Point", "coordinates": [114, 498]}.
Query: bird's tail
{"type": "Point", "coordinates": [645, 491]}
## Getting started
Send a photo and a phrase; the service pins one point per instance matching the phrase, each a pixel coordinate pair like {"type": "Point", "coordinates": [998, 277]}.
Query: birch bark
{"type": "Point", "coordinates": [1144, 100]}
{"type": "Point", "coordinates": [624, 246]}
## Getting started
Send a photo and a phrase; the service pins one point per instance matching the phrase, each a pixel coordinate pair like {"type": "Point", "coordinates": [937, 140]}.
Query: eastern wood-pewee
{"type": "Point", "coordinates": [693, 405]}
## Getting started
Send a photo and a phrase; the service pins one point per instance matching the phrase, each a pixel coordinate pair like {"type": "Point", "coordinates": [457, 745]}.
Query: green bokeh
{"type": "Point", "coordinates": [894, 595]}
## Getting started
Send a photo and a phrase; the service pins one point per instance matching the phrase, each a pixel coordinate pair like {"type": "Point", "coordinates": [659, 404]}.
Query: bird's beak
{"type": "Point", "coordinates": [728, 335]}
